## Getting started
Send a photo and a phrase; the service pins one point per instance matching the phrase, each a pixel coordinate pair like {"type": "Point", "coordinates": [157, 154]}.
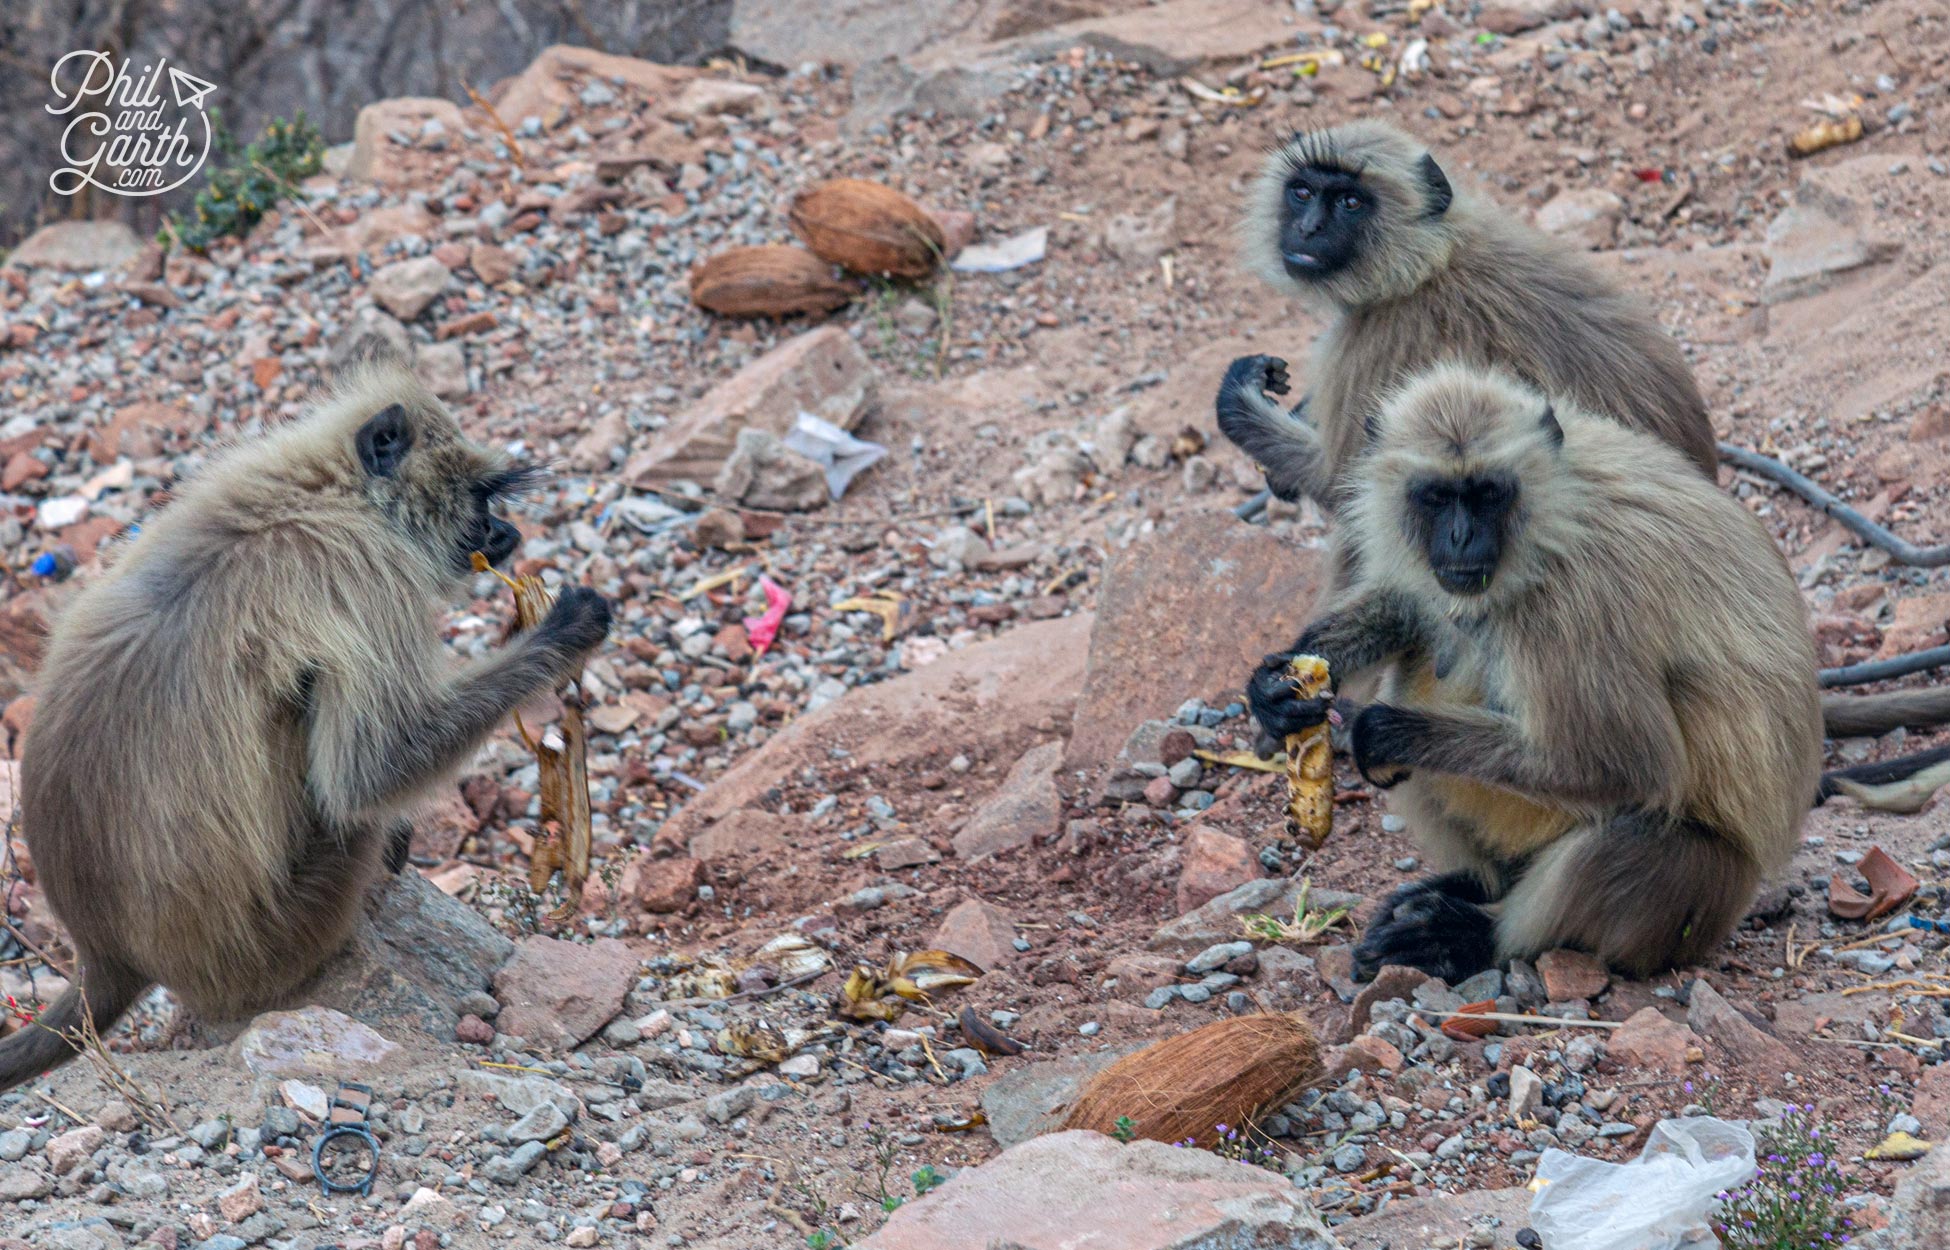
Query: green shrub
{"type": "Point", "coordinates": [240, 186]}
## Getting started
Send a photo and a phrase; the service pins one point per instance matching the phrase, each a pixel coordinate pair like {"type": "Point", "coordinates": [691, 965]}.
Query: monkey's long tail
{"type": "Point", "coordinates": [1903, 784]}
{"type": "Point", "coordinates": [35, 1048]}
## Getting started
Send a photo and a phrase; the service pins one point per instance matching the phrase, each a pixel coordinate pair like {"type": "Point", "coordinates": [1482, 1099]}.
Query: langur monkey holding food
{"type": "Point", "coordinates": [1598, 705]}
{"type": "Point", "coordinates": [1361, 223]}
{"type": "Point", "coordinates": [234, 716]}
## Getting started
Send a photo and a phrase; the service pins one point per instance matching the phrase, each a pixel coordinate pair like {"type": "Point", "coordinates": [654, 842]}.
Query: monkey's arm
{"type": "Point", "coordinates": [1284, 444]}
{"type": "Point", "coordinates": [1634, 761]}
{"type": "Point", "coordinates": [1365, 630]}
{"type": "Point", "coordinates": [370, 747]}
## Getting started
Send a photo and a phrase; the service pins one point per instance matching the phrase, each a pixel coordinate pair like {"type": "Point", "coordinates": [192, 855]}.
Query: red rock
{"type": "Point", "coordinates": [71, 1149]}
{"type": "Point", "coordinates": [823, 372]}
{"type": "Point", "coordinates": [1169, 627]}
{"type": "Point", "coordinates": [751, 833]}
{"type": "Point", "coordinates": [20, 470]}
{"type": "Point", "coordinates": [1918, 623]}
{"type": "Point", "coordinates": [1137, 973]}
{"type": "Point", "coordinates": [375, 157]}
{"type": "Point", "coordinates": [140, 431]}
{"type": "Point", "coordinates": [440, 827]}
{"type": "Point", "coordinates": [266, 370]}
{"type": "Point", "coordinates": [1143, 1195]}
{"type": "Point", "coordinates": [491, 264]}
{"type": "Point", "coordinates": [242, 1200]}
{"type": "Point", "coordinates": [1366, 1052]}
{"type": "Point", "coordinates": [1758, 1053]}
{"type": "Point", "coordinates": [452, 255]}
{"type": "Point", "coordinates": [1932, 1102]}
{"type": "Point", "coordinates": [990, 699]}
{"type": "Point", "coordinates": [472, 323]}
{"type": "Point", "coordinates": [1175, 746]}
{"type": "Point", "coordinates": [474, 1031]}
{"type": "Point", "coordinates": [1572, 974]}
{"type": "Point", "coordinates": [558, 994]}
{"type": "Point", "coordinates": [1649, 1040]}
{"type": "Point", "coordinates": [1159, 792]}
{"type": "Point", "coordinates": [1025, 808]}
{"type": "Point", "coordinates": [1393, 981]}
{"type": "Point", "coordinates": [669, 885]}
{"type": "Point", "coordinates": [977, 931]}
{"type": "Point", "coordinates": [1214, 863]}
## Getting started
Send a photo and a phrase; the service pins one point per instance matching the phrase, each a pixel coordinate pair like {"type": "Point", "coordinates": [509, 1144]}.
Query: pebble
{"type": "Point", "coordinates": [1217, 956]}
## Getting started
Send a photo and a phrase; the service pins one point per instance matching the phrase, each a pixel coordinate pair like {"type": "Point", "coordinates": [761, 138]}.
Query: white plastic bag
{"type": "Point", "coordinates": [832, 449]}
{"type": "Point", "coordinates": [1658, 1201]}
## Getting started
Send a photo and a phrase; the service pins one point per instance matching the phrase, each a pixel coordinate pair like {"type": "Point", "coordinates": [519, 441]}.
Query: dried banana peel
{"type": "Point", "coordinates": [1309, 762]}
{"type": "Point", "coordinates": [562, 757]}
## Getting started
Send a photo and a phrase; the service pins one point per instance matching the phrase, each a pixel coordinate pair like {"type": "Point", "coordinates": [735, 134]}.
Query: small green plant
{"type": "Point", "coordinates": [1124, 1128]}
{"type": "Point", "coordinates": [1705, 1091]}
{"type": "Point", "coordinates": [240, 186]}
{"type": "Point", "coordinates": [886, 1154]}
{"type": "Point", "coordinates": [925, 1179]}
{"type": "Point", "coordinates": [1797, 1197]}
{"type": "Point", "coordinates": [1238, 1145]}
{"type": "Point", "coordinates": [824, 1239]}
{"type": "Point", "coordinates": [1307, 927]}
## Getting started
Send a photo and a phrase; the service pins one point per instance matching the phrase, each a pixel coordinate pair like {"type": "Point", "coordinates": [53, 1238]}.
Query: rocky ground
{"type": "Point", "coordinates": [997, 760]}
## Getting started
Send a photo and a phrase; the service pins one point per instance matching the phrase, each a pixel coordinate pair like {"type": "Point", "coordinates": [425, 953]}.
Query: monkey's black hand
{"type": "Point", "coordinates": [578, 622]}
{"type": "Point", "coordinates": [1250, 376]}
{"type": "Point", "coordinates": [1429, 929]}
{"type": "Point", "coordinates": [1278, 708]}
{"type": "Point", "coordinates": [1386, 740]}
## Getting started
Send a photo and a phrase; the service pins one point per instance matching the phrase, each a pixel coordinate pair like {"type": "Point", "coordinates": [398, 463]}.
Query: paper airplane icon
{"type": "Point", "coordinates": [189, 89]}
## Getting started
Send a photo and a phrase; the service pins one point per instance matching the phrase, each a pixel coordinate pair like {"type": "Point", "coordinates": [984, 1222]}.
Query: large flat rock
{"type": "Point", "coordinates": [1186, 611]}
{"type": "Point", "coordinates": [996, 697]}
{"type": "Point", "coordinates": [1080, 1189]}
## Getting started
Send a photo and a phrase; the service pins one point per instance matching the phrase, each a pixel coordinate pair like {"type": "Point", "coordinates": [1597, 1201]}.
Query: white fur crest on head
{"type": "Point", "coordinates": [1415, 244]}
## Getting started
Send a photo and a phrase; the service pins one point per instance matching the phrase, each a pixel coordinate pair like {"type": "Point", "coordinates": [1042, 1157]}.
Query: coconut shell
{"type": "Point", "coordinates": [867, 228]}
{"type": "Point", "coordinates": [1229, 1072]}
{"type": "Point", "coordinates": [775, 280]}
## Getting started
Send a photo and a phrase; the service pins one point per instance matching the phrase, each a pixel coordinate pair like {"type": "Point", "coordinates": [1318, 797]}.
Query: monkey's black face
{"type": "Point", "coordinates": [1461, 523]}
{"type": "Point", "coordinates": [1321, 222]}
{"type": "Point", "coordinates": [494, 537]}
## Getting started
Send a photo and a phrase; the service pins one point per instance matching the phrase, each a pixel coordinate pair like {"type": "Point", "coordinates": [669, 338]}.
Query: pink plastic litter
{"type": "Point", "coordinates": [763, 630]}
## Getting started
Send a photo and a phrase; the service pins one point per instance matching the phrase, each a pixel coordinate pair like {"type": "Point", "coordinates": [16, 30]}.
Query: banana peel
{"type": "Point", "coordinates": [907, 978]}
{"type": "Point", "coordinates": [1309, 762]}
{"type": "Point", "coordinates": [562, 760]}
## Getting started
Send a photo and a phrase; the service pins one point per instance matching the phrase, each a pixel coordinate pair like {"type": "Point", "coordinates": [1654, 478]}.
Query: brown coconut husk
{"type": "Point", "coordinates": [867, 227]}
{"type": "Point", "coordinates": [1228, 1072]}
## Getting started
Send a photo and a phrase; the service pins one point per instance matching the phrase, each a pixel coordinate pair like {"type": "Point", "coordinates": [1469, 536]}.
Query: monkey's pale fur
{"type": "Point", "coordinates": [231, 719]}
{"type": "Point", "coordinates": [1628, 713]}
{"type": "Point", "coordinates": [1471, 283]}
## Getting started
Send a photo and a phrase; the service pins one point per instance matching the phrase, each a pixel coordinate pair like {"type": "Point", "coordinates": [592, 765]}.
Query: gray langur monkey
{"type": "Point", "coordinates": [234, 716]}
{"type": "Point", "coordinates": [1361, 223]}
{"type": "Point", "coordinates": [1604, 737]}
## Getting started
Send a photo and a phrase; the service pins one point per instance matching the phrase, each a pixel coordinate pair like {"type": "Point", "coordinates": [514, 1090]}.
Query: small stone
{"type": "Point", "coordinates": [1216, 957]}
{"type": "Point", "coordinates": [71, 1149]}
{"type": "Point", "coordinates": [544, 1123]}
{"type": "Point", "coordinates": [1570, 974]}
{"type": "Point", "coordinates": [508, 1169]}
{"type": "Point", "coordinates": [1526, 1093]}
{"type": "Point", "coordinates": [242, 1200]}
{"type": "Point", "coordinates": [405, 288]}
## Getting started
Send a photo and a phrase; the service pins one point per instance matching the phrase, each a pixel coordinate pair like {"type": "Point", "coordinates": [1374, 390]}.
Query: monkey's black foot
{"type": "Point", "coordinates": [1425, 928]}
{"type": "Point", "coordinates": [399, 843]}
{"type": "Point", "coordinates": [1277, 707]}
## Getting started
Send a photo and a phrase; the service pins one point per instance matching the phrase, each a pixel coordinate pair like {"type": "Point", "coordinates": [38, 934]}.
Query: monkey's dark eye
{"type": "Point", "coordinates": [1300, 193]}
{"type": "Point", "coordinates": [1351, 203]}
{"type": "Point", "coordinates": [1430, 495]}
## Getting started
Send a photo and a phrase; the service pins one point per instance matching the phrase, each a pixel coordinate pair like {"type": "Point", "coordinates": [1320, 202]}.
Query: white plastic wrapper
{"type": "Point", "coordinates": [1658, 1201]}
{"type": "Point", "coordinates": [832, 449]}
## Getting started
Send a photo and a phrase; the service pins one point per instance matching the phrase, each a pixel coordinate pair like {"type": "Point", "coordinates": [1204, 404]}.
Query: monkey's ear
{"type": "Point", "coordinates": [1549, 424]}
{"type": "Point", "coordinates": [1437, 184]}
{"type": "Point", "coordinates": [384, 441]}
